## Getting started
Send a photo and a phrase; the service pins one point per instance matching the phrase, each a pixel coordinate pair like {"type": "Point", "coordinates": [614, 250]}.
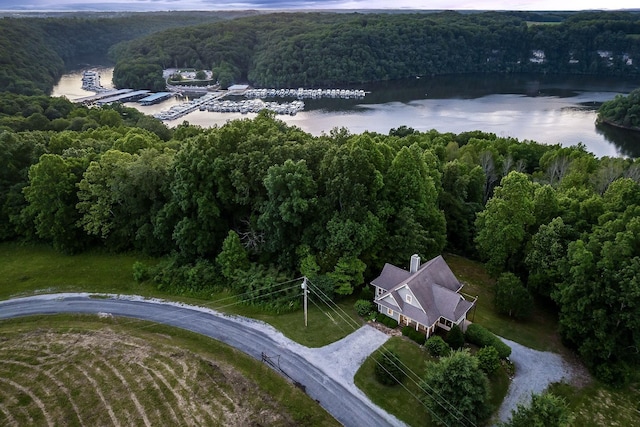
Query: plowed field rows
{"type": "Point", "coordinates": [53, 377]}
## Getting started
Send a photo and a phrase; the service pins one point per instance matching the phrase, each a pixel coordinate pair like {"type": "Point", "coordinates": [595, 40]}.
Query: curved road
{"type": "Point", "coordinates": [347, 404]}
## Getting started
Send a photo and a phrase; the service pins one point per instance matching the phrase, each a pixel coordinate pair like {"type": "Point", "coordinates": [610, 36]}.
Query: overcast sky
{"type": "Point", "coordinates": [149, 5]}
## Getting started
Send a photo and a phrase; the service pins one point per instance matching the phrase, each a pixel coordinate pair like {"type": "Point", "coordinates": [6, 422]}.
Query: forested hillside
{"type": "Point", "coordinates": [33, 51]}
{"type": "Point", "coordinates": [258, 202]}
{"type": "Point", "coordinates": [623, 111]}
{"type": "Point", "coordinates": [320, 49]}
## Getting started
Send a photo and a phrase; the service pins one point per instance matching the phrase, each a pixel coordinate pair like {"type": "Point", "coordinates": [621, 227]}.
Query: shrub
{"type": "Point", "coordinates": [367, 293]}
{"type": "Point", "coordinates": [437, 347]}
{"type": "Point", "coordinates": [455, 337]}
{"type": "Point", "coordinates": [488, 359]}
{"type": "Point", "coordinates": [482, 337]}
{"type": "Point", "coordinates": [386, 320]}
{"type": "Point", "coordinates": [140, 272]}
{"type": "Point", "coordinates": [363, 307]}
{"type": "Point", "coordinates": [388, 369]}
{"type": "Point", "coordinates": [414, 335]}
{"type": "Point", "coordinates": [544, 410]}
{"type": "Point", "coordinates": [616, 374]}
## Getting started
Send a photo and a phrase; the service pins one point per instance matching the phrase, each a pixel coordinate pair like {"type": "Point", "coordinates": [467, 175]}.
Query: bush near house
{"type": "Point", "coordinates": [414, 335]}
{"type": "Point", "coordinates": [482, 337]}
{"type": "Point", "coordinates": [488, 359]}
{"type": "Point", "coordinates": [455, 337]}
{"type": "Point", "coordinates": [388, 369]}
{"type": "Point", "coordinates": [437, 347]}
{"type": "Point", "coordinates": [386, 321]}
{"type": "Point", "coordinates": [364, 308]}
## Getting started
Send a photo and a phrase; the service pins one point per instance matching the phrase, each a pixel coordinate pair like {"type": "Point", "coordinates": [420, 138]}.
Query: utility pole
{"type": "Point", "coordinates": [305, 291]}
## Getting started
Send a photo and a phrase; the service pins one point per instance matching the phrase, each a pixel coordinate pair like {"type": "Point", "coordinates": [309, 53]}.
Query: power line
{"type": "Point", "coordinates": [328, 301]}
{"type": "Point", "coordinates": [404, 367]}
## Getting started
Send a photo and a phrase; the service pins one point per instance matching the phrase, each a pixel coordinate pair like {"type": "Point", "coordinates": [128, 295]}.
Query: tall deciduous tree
{"type": "Point", "coordinates": [194, 205]}
{"type": "Point", "coordinates": [547, 254]}
{"type": "Point", "coordinates": [52, 199]}
{"type": "Point", "coordinates": [503, 225]}
{"type": "Point", "coordinates": [290, 206]}
{"type": "Point", "coordinates": [600, 297]}
{"type": "Point", "coordinates": [460, 200]}
{"type": "Point", "coordinates": [459, 390]}
{"type": "Point", "coordinates": [121, 193]}
{"type": "Point", "coordinates": [415, 224]}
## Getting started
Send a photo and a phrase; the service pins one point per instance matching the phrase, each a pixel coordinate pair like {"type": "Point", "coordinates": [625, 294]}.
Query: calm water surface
{"type": "Point", "coordinates": [546, 109]}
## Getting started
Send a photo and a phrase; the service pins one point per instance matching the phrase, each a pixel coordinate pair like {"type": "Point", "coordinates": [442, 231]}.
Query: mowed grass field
{"type": "Point", "coordinates": [25, 270]}
{"type": "Point", "coordinates": [92, 371]}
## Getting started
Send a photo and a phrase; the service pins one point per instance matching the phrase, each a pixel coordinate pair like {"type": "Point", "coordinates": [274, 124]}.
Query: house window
{"type": "Point", "coordinates": [389, 312]}
{"type": "Point", "coordinates": [408, 298]}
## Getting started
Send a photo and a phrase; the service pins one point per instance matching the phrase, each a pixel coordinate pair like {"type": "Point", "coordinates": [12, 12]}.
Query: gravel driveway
{"type": "Point", "coordinates": [535, 370]}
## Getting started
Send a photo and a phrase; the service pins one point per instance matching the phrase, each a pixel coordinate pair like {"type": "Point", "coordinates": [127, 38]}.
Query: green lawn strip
{"type": "Point", "coordinates": [402, 402]}
{"type": "Point", "coordinates": [499, 386]}
{"type": "Point", "coordinates": [396, 399]}
{"type": "Point", "coordinates": [598, 405]}
{"type": "Point", "coordinates": [30, 269]}
{"type": "Point", "coordinates": [27, 269]}
{"type": "Point", "coordinates": [324, 325]}
{"type": "Point", "coordinates": [300, 406]}
{"type": "Point", "coordinates": [540, 332]}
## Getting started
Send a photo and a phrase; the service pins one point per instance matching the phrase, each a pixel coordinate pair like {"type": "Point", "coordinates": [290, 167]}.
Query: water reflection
{"type": "Point", "coordinates": [547, 109]}
{"type": "Point", "coordinates": [628, 142]}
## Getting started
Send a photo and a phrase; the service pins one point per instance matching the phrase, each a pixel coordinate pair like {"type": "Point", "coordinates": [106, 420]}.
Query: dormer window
{"type": "Point", "coordinates": [408, 298]}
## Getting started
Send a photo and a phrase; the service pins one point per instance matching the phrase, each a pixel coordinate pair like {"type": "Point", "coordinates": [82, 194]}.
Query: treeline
{"type": "Point", "coordinates": [623, 111]}
{"type": "Point", "coordinates": [257, 202]}
{"type": "Point", "coordinates": [322, 49]}
{"type": "Point", "coordinates": [33, 51]}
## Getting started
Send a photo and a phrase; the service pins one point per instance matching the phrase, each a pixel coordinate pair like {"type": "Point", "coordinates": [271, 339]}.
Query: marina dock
{"type": "Point", "coordinates": [255, 102]}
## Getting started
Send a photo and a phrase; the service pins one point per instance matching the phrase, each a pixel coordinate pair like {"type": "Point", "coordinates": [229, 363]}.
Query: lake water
{"type": "Point", "coordinates": [546, 109]}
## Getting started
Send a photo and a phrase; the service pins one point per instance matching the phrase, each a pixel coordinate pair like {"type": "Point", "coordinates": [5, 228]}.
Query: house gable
{"type": "Point", "coordinates": [408, 296]}
{"type": "Point", "coordinates": [425, 296]}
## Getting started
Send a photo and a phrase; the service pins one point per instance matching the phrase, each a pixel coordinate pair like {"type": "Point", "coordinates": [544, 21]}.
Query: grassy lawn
{"type": "Point", "coordinates": [79, 367]}
{"type": "Point", "coordinates": [598, 405]}
{"type": "Point", "coordinates": [402, 401]}
{"type": "Point", "coordinates": [26, 269]}
{"type": "Point", "coordinates": [540, 332]}
{"type": "Point", "coordinates": [395, 399]}
{"type": "Point", "coordinates": [30, 269]}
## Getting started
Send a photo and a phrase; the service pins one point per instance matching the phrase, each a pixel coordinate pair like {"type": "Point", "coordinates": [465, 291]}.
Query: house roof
{"type": "Point", "coordinates": [434, 287]}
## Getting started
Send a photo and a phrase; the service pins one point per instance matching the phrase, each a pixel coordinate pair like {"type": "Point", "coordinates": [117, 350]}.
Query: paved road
{"type": "Point", "coordinates": [326, 385]}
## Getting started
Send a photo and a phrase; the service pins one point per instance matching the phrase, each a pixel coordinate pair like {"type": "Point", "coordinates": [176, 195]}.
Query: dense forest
{"type": "Point", "coordinates": [33, 51]}
{"type": "Point", "coordinates": [257, 201]}
{"type": "Point", "coordinates": [322, 49]}
{"type": "Point", "coordinates": [317, 49]}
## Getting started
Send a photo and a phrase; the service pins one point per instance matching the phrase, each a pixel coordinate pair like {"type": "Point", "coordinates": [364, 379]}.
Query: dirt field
{"type": "Point", "coordinates": [53, 377]}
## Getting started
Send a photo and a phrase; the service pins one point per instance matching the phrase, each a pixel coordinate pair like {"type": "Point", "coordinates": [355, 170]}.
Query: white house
{"type": "Point", "coordinates": [426, 297]}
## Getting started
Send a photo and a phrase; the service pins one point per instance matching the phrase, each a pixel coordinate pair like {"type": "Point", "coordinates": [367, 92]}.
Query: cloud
{"type": "Point", "coordinates": [153, 5]}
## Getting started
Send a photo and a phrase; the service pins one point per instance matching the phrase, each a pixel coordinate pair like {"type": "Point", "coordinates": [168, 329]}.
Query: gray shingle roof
{"type": "Point", "coordinates": [434, 286]}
